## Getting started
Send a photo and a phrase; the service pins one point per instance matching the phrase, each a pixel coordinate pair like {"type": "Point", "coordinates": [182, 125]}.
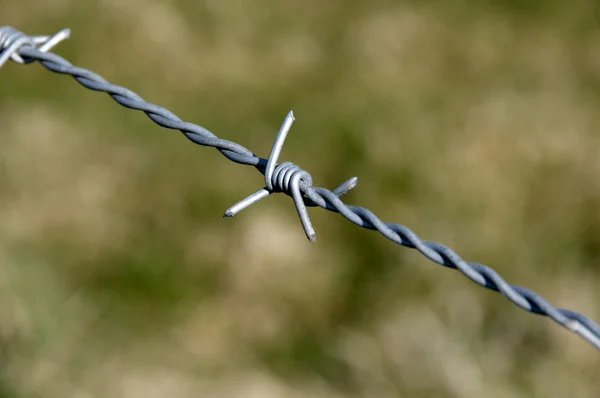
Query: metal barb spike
{"type": "Point", "coordinates": [276, 148]}
{"type": "Point", "coordinates": [345, 186]}
{"type": "Point", "coordinates": [242, 204]}
{"type": "Point", "coordinates": [49, 42]}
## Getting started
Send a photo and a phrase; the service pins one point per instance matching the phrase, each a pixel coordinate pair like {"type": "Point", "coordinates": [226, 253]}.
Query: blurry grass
{"type": "Point", "coordinates": [474, 123]}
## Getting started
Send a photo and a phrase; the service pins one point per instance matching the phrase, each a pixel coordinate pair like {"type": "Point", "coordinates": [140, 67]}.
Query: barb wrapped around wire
{"type": "Point", "coordinates": [288, 178]}
{"type": "Point", "coordinates": [294, 181]}
{"type": "Point", "coordinates": [11, 40]}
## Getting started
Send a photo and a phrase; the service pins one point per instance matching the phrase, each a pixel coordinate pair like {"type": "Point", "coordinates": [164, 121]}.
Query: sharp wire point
{"type": "Point", "coordinates": [353, 183]}
{"type": "Point", "coordinates": [55, 39]}
{"type": "Point", "coordinates": [345, 186]}
{"type": "Point", "coordinates": [247, 201]}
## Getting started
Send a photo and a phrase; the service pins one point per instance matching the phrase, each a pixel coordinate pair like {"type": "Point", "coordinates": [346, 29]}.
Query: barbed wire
{"type": "Point", "coordinates": [290, 179]}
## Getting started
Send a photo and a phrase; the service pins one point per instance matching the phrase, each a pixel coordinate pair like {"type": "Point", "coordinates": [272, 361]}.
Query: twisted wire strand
{"type": "Point", "coordinates": [326, 199]}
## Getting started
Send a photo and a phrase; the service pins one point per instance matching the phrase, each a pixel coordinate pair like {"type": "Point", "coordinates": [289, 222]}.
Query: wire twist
{"type": "Point", "coordinates": [284, 178]}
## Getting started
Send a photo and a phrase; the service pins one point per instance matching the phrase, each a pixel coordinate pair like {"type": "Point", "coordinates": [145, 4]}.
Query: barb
{"type": "Point", "coordinates": [11, 40]}
{"type": "Point", "coordinates": [290, 179]}
{"type": "Point", "coordinates": [286, 177]}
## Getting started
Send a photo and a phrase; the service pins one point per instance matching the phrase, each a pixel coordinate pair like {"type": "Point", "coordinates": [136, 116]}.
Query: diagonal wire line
{"type": "Point", "coordinates": [326, 199]}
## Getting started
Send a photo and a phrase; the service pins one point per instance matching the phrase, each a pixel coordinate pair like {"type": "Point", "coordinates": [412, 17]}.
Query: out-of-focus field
{"type": "Point", "coordinates": [475, 123]}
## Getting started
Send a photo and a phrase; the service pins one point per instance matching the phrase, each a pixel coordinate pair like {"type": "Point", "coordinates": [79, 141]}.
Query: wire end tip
{"type": "Point", "coordinates": [312, 237]}
{"type": "Point", "coordinates": [573, 325]}
{"type": "Point", "coordinates": [291, 115]}
{"type": "Point", "coordinates": [228, 213]}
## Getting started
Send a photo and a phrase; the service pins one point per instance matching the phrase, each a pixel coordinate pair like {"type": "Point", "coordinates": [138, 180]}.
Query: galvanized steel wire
{"type": "Point", "coordinates": [290, 179]}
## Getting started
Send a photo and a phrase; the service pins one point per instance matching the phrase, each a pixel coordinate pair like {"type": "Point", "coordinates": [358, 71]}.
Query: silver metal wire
{"type": "Point", "coordinates": [296, 182]}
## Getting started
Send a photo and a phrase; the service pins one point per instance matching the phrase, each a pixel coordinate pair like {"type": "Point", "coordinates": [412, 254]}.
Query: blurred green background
{"type": "Point", "coordinates": [475, 123]}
